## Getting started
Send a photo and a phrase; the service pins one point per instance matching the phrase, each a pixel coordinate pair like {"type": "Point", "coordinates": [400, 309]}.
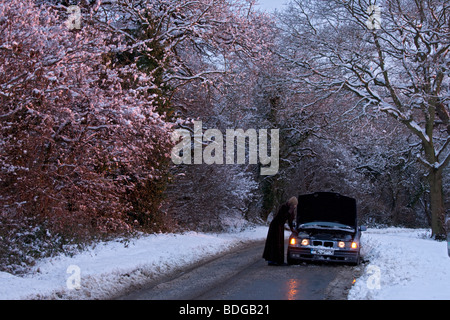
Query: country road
{"type": "Point", "coordinates": [243, 275]}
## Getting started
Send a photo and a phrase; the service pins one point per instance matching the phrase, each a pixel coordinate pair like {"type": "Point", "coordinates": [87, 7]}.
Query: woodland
{"type": "Point", "coordinates": [91, 92]}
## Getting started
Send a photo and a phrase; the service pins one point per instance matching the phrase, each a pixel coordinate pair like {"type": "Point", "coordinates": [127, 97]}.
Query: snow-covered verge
{"type": "Point", "coordinates": [110, 268]}
{"type": "Point", "coordinates": [404, 264]}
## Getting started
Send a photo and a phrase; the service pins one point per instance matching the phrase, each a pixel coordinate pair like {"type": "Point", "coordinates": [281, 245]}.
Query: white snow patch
{"type": "Point", "coordinates": [109, 268]}
{"type": "Point", "coordinates": [405, 264]}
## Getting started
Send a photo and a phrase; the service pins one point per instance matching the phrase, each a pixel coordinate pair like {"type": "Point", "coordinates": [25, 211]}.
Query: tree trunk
{"type": "Point", "coordinates": [437, 204]}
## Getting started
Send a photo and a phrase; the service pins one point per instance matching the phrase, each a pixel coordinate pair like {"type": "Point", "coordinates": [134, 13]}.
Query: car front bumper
{"type": "Point", "coordinates": [311, 254]}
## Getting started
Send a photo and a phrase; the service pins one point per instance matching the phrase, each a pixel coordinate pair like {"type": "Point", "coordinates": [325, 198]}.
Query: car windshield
{"type": "Point", "coordinates": [325, 225]}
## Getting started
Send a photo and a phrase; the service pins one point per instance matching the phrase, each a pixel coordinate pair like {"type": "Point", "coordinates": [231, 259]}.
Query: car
{"type": "Point", "coordinates": [447, 223]}
{"type": "Point", "coordinates": [448, 244]}
{"type": "Point", "coordinates": [326, 230]}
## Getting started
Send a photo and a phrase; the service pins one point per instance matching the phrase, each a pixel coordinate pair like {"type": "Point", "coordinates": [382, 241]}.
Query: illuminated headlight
{"type": "Point", "coordinates": [305, 242]}
{"type": "Point", "coordinates": [293, 241]}
{"type": "Point", "coordinates": [354, 245]}
{"type": "Point", "coordinates": [341, 244]}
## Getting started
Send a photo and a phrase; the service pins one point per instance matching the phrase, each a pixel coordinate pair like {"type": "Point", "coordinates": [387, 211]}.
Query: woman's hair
{"type": "Point", "coordinates": [292, 202]}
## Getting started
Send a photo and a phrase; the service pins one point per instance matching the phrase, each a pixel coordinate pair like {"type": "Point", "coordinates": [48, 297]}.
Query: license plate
{"type": "Point", "coordinates": [325, 252]}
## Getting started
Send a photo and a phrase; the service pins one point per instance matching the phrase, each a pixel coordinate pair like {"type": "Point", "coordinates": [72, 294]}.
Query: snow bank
{"type": "Point", "coordinates": [405, 264]}
{"type": "Point", "coordinates": [109, 268]}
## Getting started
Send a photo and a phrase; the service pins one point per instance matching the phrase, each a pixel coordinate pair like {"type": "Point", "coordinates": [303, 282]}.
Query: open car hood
{"type": "Point", "coordinates": [327, 207]}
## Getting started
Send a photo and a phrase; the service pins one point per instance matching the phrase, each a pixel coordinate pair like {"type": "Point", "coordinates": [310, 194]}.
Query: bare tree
{"type": "Point", "coordinates": [394, 58]}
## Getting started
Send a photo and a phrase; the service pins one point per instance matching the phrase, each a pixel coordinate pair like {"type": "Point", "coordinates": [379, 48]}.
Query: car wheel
{"type": "Point", "coordinates": [358, 260]}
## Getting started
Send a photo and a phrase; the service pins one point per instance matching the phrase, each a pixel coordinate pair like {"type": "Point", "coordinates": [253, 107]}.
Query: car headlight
{"type": "Point", "coordinates": [305, 242]}
{"type": "Point", "coordinates": [341, 244]}
{"type": "Point", "coordinates": [293, 241]}
{"type": "Point", "coordinates": [354, 245]}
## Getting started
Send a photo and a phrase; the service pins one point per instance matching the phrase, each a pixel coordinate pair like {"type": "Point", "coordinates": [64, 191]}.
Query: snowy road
{"type": "Point", "coordinates": [244, 275]}
{"type": "Point", "coordinates": [399, 264]}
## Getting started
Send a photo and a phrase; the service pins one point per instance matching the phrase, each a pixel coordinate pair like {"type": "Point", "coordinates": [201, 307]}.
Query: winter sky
{"type": "Point", "coordinates": [271, 5]}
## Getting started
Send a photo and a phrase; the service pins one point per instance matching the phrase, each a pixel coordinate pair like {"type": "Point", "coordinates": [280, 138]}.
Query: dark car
{"type": "Point", "coordinates": [327, 226]}
{"type": "Point", "coordinates": [447, 223]}
{"type": "Point", "coordinates": [448, 244]}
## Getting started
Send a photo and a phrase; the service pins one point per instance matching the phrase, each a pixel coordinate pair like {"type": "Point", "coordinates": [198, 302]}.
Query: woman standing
{"type": "Point", "coordinates": [274, 249]}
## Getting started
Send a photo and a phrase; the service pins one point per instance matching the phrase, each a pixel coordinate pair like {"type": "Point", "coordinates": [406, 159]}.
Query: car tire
{"type": "Point", "coordinates": [358, 261]}
{"type": "Point", "coordinates": [291, 261]}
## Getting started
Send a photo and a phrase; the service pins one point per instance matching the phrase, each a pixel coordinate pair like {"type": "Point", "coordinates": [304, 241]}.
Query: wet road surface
{"type": "Point", "coordinates": [243, 275]}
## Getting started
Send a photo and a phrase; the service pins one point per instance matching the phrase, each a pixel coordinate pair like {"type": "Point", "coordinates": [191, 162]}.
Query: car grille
{"type": "Point", "coordinates": [329, 244]}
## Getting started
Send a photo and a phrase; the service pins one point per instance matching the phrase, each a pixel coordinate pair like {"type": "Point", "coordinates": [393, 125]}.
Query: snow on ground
{"type": "Point", "coordinates": [403, 264]}
{"type": "Point", "coordinates": [108, 268]}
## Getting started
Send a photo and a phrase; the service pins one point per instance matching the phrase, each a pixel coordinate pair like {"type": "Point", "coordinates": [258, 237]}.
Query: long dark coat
{"type": "Point", "coordinates": [274, 249]}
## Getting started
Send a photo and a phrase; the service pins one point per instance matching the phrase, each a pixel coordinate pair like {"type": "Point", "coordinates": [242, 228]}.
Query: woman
{"type": "Point", "coordinates": [274, 249]}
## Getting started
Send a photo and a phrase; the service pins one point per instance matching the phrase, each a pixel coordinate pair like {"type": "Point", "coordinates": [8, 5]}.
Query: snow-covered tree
{"type": "Point", "coordinates": [79, 135]}
{"type": "Point", "coordinates": [393, 56]}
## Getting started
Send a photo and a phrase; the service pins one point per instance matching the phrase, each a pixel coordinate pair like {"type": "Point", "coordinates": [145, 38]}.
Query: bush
{"type": "Point", "coordinates": [76, 138]}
